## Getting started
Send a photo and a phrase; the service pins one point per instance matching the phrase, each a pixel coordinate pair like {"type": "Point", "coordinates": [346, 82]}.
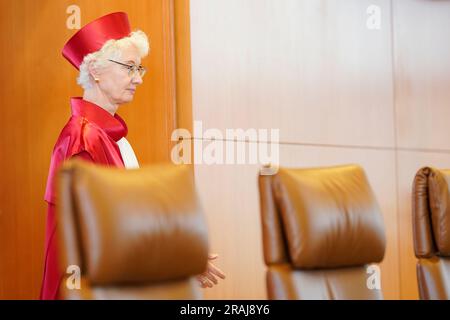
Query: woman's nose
{"type": "Point", "coordinates": [137, 79]}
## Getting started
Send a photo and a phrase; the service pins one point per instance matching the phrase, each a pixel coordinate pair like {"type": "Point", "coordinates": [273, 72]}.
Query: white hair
{"type": "Point", "coordinates": [112, 49]}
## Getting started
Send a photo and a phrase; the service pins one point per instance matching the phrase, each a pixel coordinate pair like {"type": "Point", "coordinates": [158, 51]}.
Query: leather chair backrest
{"type": "Point", "coordinates": [321, 228]}
{"type": "Point", "coordinates": [133, 234]}
{"type": "Point", "coordinates": [431, 231]}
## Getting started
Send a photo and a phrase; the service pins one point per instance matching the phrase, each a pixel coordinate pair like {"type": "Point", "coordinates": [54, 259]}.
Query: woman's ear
{"type": "Point", "coordinates": [93, 71]}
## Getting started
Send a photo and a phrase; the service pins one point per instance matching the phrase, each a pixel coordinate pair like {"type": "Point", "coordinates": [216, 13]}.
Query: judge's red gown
{"type": "Point", "coordinates": [92, 134]}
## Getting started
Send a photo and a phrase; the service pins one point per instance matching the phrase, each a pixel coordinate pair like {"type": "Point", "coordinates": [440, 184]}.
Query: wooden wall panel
{"type": "Point", "coordinates": [36, 85]}
{"type": "Point", "coordinates": [422, 105]}
{"type": "Point", "coordinates": [183, 64]}
{"type": "Point", "coordinates": [311, 68]}
{"type": "Point", "coordinates": [422, 73]}
{"type": "Point", "coordinates": [230, 200]}
{"type": "Point", "coordinates": [315, 71]}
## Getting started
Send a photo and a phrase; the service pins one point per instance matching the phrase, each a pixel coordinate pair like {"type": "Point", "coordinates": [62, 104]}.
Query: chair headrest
{"type": "Point", "coordinates": [330, 217]}
{"type": "Point", "coordinates": [137, 225]}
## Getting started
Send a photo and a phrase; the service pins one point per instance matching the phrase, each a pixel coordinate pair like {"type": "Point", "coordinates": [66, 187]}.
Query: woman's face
{"type": "Point", "coordinates": [115, 82]}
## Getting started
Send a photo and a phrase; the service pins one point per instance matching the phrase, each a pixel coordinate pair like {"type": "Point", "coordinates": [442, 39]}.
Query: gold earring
{"type": "Point", "coordinates": [97, 80]}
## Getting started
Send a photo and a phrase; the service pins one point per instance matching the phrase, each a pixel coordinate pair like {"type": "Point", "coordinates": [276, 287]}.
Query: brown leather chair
{"type": "Point", "coordinates": [321, 227]}
{"type": "Point", "coordinates": [431, 230]}
{"type": "Point", "coordinates": [134, 234]}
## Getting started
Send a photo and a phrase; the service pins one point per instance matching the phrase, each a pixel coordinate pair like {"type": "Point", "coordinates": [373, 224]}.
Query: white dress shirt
{"type": "Point", "coordinates": [129, 158]}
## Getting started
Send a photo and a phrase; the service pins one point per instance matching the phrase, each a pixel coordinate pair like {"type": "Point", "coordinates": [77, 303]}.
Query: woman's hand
{"type": "Point", "coordinates": [208, 278]}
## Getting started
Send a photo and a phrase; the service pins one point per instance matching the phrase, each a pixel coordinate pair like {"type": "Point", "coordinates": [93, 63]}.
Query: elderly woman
{"type": "Point", "coordinates": [108, 56]}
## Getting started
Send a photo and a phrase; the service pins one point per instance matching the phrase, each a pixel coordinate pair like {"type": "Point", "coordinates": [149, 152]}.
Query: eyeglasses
{"type": "Point", "coordinates": [132, 69]}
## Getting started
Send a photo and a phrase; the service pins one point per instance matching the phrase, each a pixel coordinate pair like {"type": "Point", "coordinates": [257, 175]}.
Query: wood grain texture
{"type": "Point", "coordinates": [311, 68]}
{"type": "Point", "coordinates": [338, 92]}
{"type": "Point", "coordinates": [422, 73]}
{"type": "Point", "coordinates": [35, 91]}
{"type": "Point", "coordinates": [183, 64]}
{"type": "Point", "coordinates": [422, 106]}
{"type": "Point", "coordinates": [315, 71]}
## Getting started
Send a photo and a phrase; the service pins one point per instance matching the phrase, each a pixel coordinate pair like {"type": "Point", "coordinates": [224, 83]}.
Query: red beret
{"type": "Point", "coordinates": [93, 36]}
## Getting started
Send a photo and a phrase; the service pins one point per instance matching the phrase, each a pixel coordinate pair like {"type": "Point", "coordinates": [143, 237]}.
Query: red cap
{"type": "Point", "coordinates": [93, 36]}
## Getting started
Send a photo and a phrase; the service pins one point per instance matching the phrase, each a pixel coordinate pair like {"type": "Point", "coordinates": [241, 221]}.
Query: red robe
{"type": "Point", "coordinates": [91, 133]}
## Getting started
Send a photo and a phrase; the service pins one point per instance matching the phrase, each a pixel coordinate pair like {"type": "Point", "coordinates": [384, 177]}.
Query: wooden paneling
{"type": "Point", "coordinates": [36, 85]}
{"type": "Point", "coordinates": [183, 65]}
{"type": "Point", "coordinates": [422, 105]}
{"type": "Point", "coordinates": [315, 71]}
{"type": "Point", "coordinates": [311, 68]}
{"type": "Point", "coordinates": [337, 91]}
{"type": "Point", "coordinates": [422, 73]}
{"type": "Point", "coordinates": [230, 200]}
